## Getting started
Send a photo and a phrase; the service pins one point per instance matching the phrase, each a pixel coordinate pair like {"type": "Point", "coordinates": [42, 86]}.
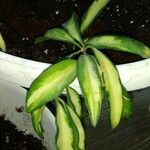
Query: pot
{"type": "Point", "coordinates": [22, 72]}
{"type": "Point", "coordinates": [12, 97]}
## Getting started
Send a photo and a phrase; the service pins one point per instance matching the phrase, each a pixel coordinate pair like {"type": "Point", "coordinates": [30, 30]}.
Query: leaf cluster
{"type": "Point", "coordinates": [97, 75]}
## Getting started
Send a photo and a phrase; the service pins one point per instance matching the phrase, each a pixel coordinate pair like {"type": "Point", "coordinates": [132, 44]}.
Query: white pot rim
{"type": "Point", "coordinates": [134, 75]}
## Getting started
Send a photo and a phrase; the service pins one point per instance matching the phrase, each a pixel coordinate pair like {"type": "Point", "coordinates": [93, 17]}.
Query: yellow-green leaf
{"type": "Point", "coordinates": [65, 136]}
{"type": "Point", "coordinates": [37, 121]}
{"type": "Point", "coordinates": [57, 34]}
{"type": "Point", "coordinates": [80, 130]}
{"type": "Point", "coordinates": [2, 44]}
{"type": "Point", "coordinates": [76, 126]}
{"type": "Point", "coordinates": [73, 28]}
{"type": "Point", "coordinates": [127, 110]}
{"type": "Point", "coordinates": [113, 86]}
{"type": "Point", "coordinates": [120, 43]}
{"type": "Point", "coordinates": [91, 86]}
{"type": "Point", "coordinates": [95, 8]}
{"type": "Point", "coordinates": [50, 84]}
{"type": "Point", "coordinates": [73, 100]}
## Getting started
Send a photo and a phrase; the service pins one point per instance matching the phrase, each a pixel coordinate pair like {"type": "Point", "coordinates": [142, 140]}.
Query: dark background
{"type": "Point", "coordinates": [21, 21]}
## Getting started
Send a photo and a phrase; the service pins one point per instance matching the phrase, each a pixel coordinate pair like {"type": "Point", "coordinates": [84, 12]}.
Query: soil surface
{"type": "Point", "coordinates": [12, 139]}
{"type": "Point", "coordinates": [21, 21]}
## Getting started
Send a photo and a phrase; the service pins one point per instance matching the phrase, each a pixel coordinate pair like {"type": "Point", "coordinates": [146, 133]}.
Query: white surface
{"type": "Point", "coordinates": [22, 72]}
{"type": "Point", "coordinates": [12, 97]}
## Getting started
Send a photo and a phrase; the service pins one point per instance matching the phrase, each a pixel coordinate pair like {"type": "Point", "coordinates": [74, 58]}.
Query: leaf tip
{"type": "Point", "coordinates": [40, 39]}
{"type": "Point", "coordinates": [2, 44]}
{"type": "Point", "coordinates": [114, 125]}
{"type": "Point", "coordinates": [147, 52]}
{"type": "Point", "coordinates": [40, 134]}
{"type": "Point", "coordinates": [94, 122]}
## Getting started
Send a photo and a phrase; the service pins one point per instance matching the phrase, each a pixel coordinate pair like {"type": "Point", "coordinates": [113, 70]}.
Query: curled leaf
{"type": "Point", "coordinates": [37, 121]}
{"type": "Point", "coordinates": [73, 100]}
{"type": "Point", "coordinates": [64, 137]}
{"type": "Point", "coordinates": [2, 44]}
{"type": "Point", "coordinates": [69, 128]}
{"type": "Point", "coordinates": [79, 128]}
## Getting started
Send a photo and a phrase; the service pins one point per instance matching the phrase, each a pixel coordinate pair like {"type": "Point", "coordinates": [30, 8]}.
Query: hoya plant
{"type": "Point", "coordinates": [97, 75]}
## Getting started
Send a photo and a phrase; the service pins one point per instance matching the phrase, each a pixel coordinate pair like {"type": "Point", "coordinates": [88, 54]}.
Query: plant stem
{"type": "Point", "coordinates": [75, 53]}
{"type": "Point", "coordinates": [83, 49]}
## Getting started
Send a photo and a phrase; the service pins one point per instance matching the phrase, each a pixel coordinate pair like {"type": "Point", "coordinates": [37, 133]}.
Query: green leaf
{"type": "Point", "coordinates": [91, 86]}
{"type": "Point", "coordinates": [73, 28]}
{"type": "Point", "coordinates": [95, 8]}
{"type": "Point", "coordinates": [57, 34]}
{"type": "Point", "coordinates": [37, 121]}
{"type": "Point", "coordinates": [73, 100]}
{"type": "Point", "coordinates": [2, 44]}
{"type": "Point", "coordinates": [68, 119]}
{"type": "Point", "coordinates": [113, 87]}
{"type": "Point", "coordinates": [50, 84]}
{"type": "Point", "coordinates": [81, 135]}
{"type": "Point", "coordinates": [120, 43]}
{"type": "Point", "coordinates": [127, 110]}
{"type": "Point", "coordinates": [65, 136]}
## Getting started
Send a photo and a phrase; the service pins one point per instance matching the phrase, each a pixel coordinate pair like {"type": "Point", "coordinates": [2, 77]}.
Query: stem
{"type": "Point", "coordinates": [83, 49]}
{"type": "Point", "coordinates": [75, 53]}
{"type": "Point", "coordinates": [78, 45]}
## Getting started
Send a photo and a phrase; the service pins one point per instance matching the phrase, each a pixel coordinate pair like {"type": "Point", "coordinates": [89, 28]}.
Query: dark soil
{"type": "Point", "coordinates": [12, 139]}
{"type": "Point", "coordinates": [21, 21]}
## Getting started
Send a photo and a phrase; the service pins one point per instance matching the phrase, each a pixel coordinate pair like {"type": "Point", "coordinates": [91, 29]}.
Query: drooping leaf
{"type": "Point", "coordinates": [2, 43]}
{"type": "Point", "coordinates": [73, 100]}
{"type": "Point", "coordinates": [37, 121]}
{"type": "Point", "coordinates": [65, 136]}
{"type": "Point", "coordinates": [69, 119]}
{"type": "Point", "coordinates": [120, 43]}
{"type": "Point", "coordinates": [113, 87]}
{"type": "Point", "coordinates": [57, 34]}
{"type": "Point", "coordinates": [91, 86]}
{"type": "Point", "coordinates": [79, 128]}
{"type": "Point", "coordinates": [73, 29]}
{"type": "Point", "coordinates": [50, 84]}
{"type": "Point", "coordinates": [127, 110]}
{"type": "Point", "coordinates": [95, 8]}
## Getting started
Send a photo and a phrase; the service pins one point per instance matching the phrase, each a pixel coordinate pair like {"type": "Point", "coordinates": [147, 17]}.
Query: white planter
{"type": "Point", "coordinates": [22, 72]}
{"type": "Point", "coordinates": [12, 97]}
